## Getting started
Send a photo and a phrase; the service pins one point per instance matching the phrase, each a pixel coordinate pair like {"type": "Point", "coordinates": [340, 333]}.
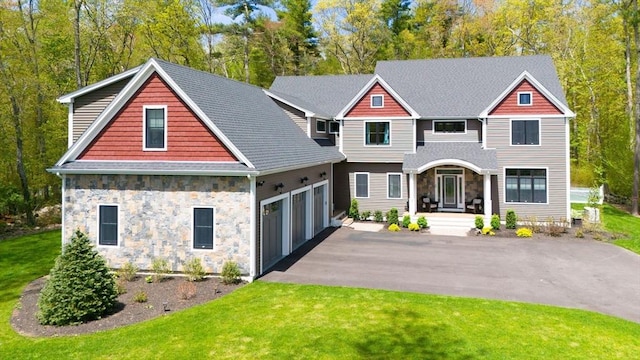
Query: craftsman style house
{"type": "Point", "coordinates": [474, 134]}
{"type": "Point", "coordinates": [167, 161]}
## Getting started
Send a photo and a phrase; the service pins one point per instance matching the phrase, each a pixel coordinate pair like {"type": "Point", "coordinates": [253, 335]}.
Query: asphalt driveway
{"type": "Point", "coordinates": [565, 272]}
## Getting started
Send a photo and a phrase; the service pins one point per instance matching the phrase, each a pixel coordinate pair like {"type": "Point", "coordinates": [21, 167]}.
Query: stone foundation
{"type": "Point", "coordinates": [155, 217]}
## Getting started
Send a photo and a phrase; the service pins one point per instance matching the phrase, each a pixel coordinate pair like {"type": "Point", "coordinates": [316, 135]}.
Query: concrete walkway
{"type": "Point", "coordinates": [564, 272]}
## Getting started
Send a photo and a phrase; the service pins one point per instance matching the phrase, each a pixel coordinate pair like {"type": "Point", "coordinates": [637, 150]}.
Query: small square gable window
{"type": "Point", "coordinates": [377, 101]}
{"type": "Point", "coordinates": [524, 99]}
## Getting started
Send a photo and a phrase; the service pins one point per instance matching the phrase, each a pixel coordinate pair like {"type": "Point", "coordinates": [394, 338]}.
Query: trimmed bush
{"type": "Point", "coordinates": [479, 222]}
{"type": "Point", "coordinates": [365, 215]}
{"type": "Point", "coordinates": [230, 273]}
{"type": "Point", "coordinates": [406, 220]}
{"type": "Point", "coordinates": [495, 221]}
{"type": "Point", "coordinates": [394, 227]}
{"type": "Point", "coordinates": [80, 288]}
{"type": "Point", "coordinates": [392, 217]}
{"type": "Point", "coordinates": [414, 227]}
{"type": "Point", "coordinates": [160, 268]}
{"type": "Point", "coordinates": [511, 219]}
{"type": "Point", "coordinates": [194, 270]}
{"type": "Point", "coordinates": [524, 232]}
{"type": "Point", "coordinates": [128, 271]}
{"type": "Point", "coordinates": [422, 222]}
{"type": "Point", "coordinates": [140, 296]}
{"type": "Point", "coordinates": [354, 213]}
{"type": "Point", "coordinates": [377, 216]}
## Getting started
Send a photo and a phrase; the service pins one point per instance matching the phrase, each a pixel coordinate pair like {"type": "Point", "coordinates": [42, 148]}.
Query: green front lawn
{"type": "Point", "coordinates": [620, 223]}
{"type": "Point", "coordinates": [267, 320]}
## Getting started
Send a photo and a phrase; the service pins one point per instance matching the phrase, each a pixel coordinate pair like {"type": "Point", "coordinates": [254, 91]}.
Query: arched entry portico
{"type": "Point", "coordinates": [451, 182]}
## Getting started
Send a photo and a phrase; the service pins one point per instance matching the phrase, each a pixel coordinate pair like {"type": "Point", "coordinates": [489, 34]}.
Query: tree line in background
{"type": "Point", "coordinates": [52, 47]}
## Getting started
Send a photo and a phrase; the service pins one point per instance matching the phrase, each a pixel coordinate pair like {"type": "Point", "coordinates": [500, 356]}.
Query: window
{"type": "Point", "coordinates": [377, 101]}
{"type": "Point", "coordinates": [525, 99]}
{"type": "Point", "coordinates": [155, 134]}
{"type": "Point", "coordinates": [334, 127]}
{"type": "Point", "coordinates": [394, 186]}
{"type": "Point", "coordinates": [377, 133]}
{"type": "Point", "coordinates": [526, 185]}
{"type": "Point", "coordinates": [525, 132]}
{"type": "Point", "coordinates": [362, 185]}
{"type": "Point", "coordinates": [203, 228]}
{"type": "Point", "coordinates": [321, 126]}
{"type": "Point", "coordinates": [449, 126]}
{"type": "Point", "coordinates": [108, 225]}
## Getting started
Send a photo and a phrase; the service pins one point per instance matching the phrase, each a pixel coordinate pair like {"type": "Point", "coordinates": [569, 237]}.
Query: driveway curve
{"type": "Point", "coordinates": [566, 272]}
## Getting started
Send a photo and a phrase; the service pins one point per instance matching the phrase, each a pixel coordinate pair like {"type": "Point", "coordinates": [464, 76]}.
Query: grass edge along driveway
{"type": "Point", "coordinates": [270, 320]}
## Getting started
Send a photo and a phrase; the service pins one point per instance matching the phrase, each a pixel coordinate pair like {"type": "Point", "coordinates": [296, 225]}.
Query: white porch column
{"type": "Point", "coordinates": [413, 201]}
{"type": "Point", "coordinates": [487, 199]}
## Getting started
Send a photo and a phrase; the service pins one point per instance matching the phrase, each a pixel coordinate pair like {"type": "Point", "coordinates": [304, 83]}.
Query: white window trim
{"type": "Point", "coordinates": [193, 228]}
{"type": "Point", "coordinates": [118, 238]}
{"type": "Point", "coordinates": [364, 137]}
{"type": "Point", "coordinates": [355, 185]}
{"type": "Point", "coordinates": [371, 101]}
{"type": "Point", "coordinates": [530, 98]}
{"type": "Point", "coordinates": [434, 132]}
{"type": "Point", "coordinates": [144, 126]}
{"type": "Point", "coordinates": [334, 132]}
{"type": "Point", "coordinates": [318, 121]}
{"type": "Point", "coordinates": [504, 184]}
{"type": "Point", "coordinates": [525, 119]}
{"type": "Point", "coordinates": [389, 182]}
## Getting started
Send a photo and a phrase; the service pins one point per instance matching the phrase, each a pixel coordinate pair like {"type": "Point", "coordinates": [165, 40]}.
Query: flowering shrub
{"type": "Point", "coordinates": [414, 227]}
{"type": "Point", "coordinates": [394, 227]}
{"type": "Point", "coordinates": [488, 230]}
{"type": "Point", "coordinates": [524, 232]}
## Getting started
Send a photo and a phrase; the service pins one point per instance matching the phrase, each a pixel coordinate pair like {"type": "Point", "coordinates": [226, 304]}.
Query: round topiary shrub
{"type": "Point", "coordinates": [80, 287]}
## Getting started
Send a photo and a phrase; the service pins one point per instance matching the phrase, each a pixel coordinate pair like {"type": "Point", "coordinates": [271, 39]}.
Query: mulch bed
{"type": "Point", "coordinates": [126, 312]}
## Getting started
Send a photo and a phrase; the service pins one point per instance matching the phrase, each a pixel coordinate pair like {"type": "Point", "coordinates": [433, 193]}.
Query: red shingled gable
{"type": "Point", "coordinates": [391, 107]}
{"type": "Point", "coordinates": [540, 105]}
{"type": "Point", "coordinates": [188, 139]}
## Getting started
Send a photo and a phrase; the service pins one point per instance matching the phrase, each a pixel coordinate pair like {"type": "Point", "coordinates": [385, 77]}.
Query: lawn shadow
{"type": "Point", "coordinates": [404, 335]}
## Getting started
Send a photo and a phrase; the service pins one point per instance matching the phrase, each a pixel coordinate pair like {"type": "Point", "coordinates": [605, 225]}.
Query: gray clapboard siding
{"type": "Point", "coordinates": [354, 142]}
{"type": "Point", "coordinates": [425, 132]}
{"type": "Point", "coordinates": [87, 108]}
{"type": "Point", "coordinates": [294, 114]}
{"type": "Point", "coordinates": [551, 154]}
{"type": "Point", "coordinates": [377, 199]}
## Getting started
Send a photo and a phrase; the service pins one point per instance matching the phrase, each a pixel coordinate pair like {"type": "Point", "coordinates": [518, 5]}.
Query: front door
{"type": "Point", "coordinates": [450, 192]}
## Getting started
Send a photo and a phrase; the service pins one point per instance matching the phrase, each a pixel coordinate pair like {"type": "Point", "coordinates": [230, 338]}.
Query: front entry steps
{"type": "Point", "coordinates": [449, 224]}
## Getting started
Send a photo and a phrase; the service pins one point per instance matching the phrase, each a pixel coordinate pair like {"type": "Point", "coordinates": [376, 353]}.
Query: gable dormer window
{"type": "Point", "coordinates": [321, 126]}
{"type": "Point", "coordinates": [525, 98]}
{"type": "Point", "coordinates": [377, 101]}
{"type": "Point", "coordinates": [155, 128]}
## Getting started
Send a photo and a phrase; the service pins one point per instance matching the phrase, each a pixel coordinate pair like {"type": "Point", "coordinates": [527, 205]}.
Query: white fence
{"type": "Point", "coordinates": [580, 195]}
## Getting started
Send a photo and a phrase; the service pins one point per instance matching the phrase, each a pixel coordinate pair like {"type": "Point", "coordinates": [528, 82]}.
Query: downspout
{"type": "Point", "coordinates": [253, 223]}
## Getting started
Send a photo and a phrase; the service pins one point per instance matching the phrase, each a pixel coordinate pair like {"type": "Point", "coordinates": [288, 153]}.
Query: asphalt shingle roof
{"type": "Point", "coordinates": [459, 87]}
{"type": "Point", "coordinates": [465, 86]}
{"type": "Point", "coordinates": [250, 120]}
{"type": "Point", "coordinates": [328, 93]}
{"type": "Point", "coordinates": [470, 152]}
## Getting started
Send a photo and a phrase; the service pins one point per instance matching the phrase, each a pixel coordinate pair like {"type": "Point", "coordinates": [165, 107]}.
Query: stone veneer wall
{"type": "Point", "coordinates": [473, 184]}
{"type": "Point", "coordinates": [155, 217]}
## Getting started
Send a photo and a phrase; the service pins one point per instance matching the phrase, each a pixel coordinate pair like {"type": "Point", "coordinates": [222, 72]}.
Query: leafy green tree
{"type": "Point", "coordinates": [298, 31]}
{"type": "Point", "coordinates": [80, 287]}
